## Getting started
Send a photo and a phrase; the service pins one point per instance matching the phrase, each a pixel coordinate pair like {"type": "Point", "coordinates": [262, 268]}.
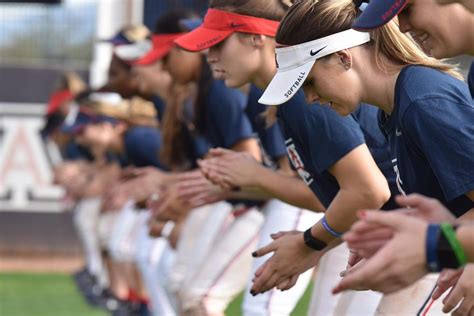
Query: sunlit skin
{"type": "Point", "coordinates": [469, 4]}
{"type": "Point", "coordinates": [103, 135]}
{"type": "Point", "coordinates": [152, 79]}
{"type": "Point", "coordinates": [354, 68]}
{"type": "Point", "coordinates": [184, 67]}
{"type": "Point", "coordinates": [432, 25]}
{"type": "Point", "coordinates": [120, 79]}
{"type": "Point", "coordinates": [240, 59]}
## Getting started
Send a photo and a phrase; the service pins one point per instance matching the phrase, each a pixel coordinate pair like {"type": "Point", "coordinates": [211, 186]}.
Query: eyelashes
{"type": "Point", "coordinates": [308, 83]}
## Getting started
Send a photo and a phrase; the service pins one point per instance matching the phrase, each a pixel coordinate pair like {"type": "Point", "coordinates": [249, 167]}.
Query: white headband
{"type": "Point", "coordinates": [295, 62]}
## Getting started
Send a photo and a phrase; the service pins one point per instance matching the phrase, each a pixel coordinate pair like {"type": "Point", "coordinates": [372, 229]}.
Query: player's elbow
{"type": "Point", "coordinates": [377, 193]}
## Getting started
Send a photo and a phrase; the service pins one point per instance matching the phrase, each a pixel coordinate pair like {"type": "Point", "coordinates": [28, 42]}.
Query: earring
{"type": "Point", "coordinates": [347, 65]}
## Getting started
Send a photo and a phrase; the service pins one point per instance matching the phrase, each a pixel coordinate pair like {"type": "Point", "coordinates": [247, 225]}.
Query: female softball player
{"type": "Point", "coordinates": [425, 110]}
{"type": "Point", "coordinates": [240, 38]}
{"type": "Point", "coordinates": [130, 132]}
{"type": "Point", "coordinates": [418, 18]}
{"type": "Point", "coordinates": [279, 216]}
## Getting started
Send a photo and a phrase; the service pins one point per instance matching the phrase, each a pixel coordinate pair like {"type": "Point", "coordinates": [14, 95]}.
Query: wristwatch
{"type": "Point", "coordinates": [313, 242]}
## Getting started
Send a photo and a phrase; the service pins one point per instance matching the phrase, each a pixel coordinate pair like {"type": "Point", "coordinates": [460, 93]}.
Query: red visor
{"type": "Point", "coordinates": [162, 44]}
{"type": "Point", "coordinates": [218, 25]}
{"type": "Point", "coordinates": [58, 99]}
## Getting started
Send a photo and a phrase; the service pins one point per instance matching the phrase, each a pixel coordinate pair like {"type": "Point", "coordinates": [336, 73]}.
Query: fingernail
{"type": "Point", "coordinates": [254, 254]}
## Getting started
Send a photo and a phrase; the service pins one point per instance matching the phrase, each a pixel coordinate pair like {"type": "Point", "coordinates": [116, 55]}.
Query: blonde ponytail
{"type": "Point", "coordinates": [403, 50]}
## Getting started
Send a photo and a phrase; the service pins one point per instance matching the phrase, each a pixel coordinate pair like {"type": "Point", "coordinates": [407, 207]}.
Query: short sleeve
{"type": "Point", "coordinates": [74, 151]}
{"type": "Point", "coordinates": [444, 132]}
{"type": "Point", "coordinates": [160, 107]}
{"type": "Point", "coordinates": [142, 146]}
{"type": "Point", "coordinates": [330, 136]}
{"type": "Point", "coordinates": [228, 123]}
{"type": "Point", "coordinates": [271, 137]}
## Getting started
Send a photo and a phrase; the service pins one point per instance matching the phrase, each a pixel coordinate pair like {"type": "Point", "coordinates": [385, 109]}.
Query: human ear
{"type": "Point", "coordinates": [345, 58]}
{"type": "Point", "coordinates": [258, 40]}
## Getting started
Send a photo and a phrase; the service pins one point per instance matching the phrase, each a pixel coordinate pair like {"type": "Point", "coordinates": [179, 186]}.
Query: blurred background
{"type": "Point", "coordinates": [39, 40]}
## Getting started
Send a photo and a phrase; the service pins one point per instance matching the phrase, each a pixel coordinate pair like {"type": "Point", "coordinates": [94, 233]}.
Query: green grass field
{"type": "Point", "coordinates": [56, 295]}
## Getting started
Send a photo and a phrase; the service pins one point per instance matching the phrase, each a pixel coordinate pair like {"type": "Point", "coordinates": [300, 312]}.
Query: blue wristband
{"type": "Point", "coordinates": [329, 229]}
{"type": "Point", "coordinates": [432, 237]}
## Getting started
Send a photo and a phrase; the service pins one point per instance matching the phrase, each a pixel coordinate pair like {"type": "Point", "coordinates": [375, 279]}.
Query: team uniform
{"type": "Point", "coordinates": [279, 216]}
{"type": "Point", "coordinates": [431, 137]}
{"type": "Point", "coordinates": [316, 138]}
{"type": "Point", "coordinates": [213, 250]}
{"type": "Point", "coordinates": [86, 213]}
{"type": "Point", "coordinates": [141, 148]}
{"type": "Point", "coordinates": [125, 232]}
{"type": "Point", "coordinates": [428, 118]}
{"type": "Point", "coordinates": [160, 106]}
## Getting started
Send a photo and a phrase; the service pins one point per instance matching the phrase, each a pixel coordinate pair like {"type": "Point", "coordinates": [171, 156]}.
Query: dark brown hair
{"type": "Point", "coordinates": [266, 9]}
{"type": "Point", "coordinates": [177, 132]}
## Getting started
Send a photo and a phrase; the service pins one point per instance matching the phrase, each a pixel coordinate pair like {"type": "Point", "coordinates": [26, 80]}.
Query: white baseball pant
{"type": "Point", "coordinates": [279, 216]}
{"type": "Point", "coordinates": [211, 285]}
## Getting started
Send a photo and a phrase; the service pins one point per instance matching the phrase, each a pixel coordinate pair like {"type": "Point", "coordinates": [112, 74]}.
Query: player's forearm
{"type": "Point", "coordinates": [289, 189]}
{"type": "Point", "coordinates": [250, 193]}
{"type": "Point", "coordinates": [342, 212]}
{"type": "Point", "coordinates": [465, 235]}
{"type": "Point", "coordinates": [468, 216]}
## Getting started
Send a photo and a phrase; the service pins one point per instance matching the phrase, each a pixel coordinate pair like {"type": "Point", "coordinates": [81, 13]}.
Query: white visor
{"type": "Point", "coordinates": [133, 51]}
{"type": "Point", "coordinates": [295, 62]}
{"type": "Point", "coordinates": [106, 97]}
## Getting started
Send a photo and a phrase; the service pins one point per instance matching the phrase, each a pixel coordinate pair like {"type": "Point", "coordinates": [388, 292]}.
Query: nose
{"type": "Point", "coordinates": [212, 55]}
{"type": "Point", "coordinates": [404, 23]}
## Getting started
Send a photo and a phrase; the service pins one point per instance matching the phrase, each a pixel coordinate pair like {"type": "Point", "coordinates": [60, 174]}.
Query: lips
{"type": "Point", "coordinates": [218, 73]}
{"type": "Point", "coordinates": [421, 39]}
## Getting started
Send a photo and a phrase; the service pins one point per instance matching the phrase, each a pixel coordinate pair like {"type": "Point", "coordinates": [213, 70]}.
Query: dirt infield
{"type": "Point", "coordinates": [42, 264]}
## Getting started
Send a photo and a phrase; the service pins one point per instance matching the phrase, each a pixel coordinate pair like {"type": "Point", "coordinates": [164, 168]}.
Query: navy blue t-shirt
{"type": "Point", "coordinates": [74, 151]}
{"type": "Point", "coordinates": [316, 138]}
{"type": "Point", "coordinates": [142, 145]}
{"type": "Point", "coordinates": [271, 137]}
{"type": "Point", "coordinates": [160, 107]}
{"type": "Point", "coordinates": [431, 136]}
{"type": "Point", "coordinates": [470, 80]}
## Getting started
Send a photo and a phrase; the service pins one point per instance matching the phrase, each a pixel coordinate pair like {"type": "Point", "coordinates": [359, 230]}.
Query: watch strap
{"type": "Point", "coordinates": [313, 242]}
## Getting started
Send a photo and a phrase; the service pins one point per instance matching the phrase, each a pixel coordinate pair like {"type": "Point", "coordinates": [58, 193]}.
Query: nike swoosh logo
{"type": "Point", "coordinates": [316, 52]}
